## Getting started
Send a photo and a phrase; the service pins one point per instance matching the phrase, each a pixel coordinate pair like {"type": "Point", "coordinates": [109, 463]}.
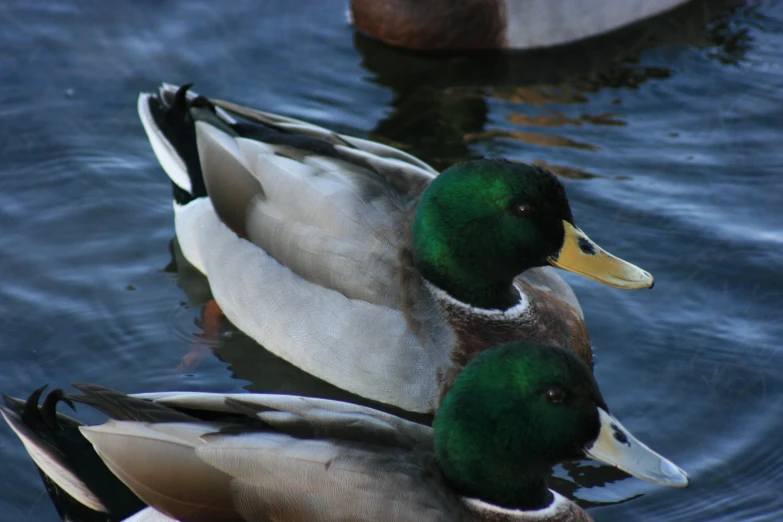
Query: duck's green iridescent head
{"type": "Point", "coordinates": [520, 408]}
{"type": "Point", "coordinates": [481, 223]}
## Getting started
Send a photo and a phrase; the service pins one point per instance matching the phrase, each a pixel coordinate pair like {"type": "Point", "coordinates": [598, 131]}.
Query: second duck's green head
{"type": "Point", "coordinates": [520, 408]}
{"type": "Point", "coordinates": [483, 222]}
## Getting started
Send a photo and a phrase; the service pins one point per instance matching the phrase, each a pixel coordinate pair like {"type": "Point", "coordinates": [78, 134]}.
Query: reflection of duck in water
{"type": "Point", "coordinates": [513, 413]}
{"type": "Point", "coordinates": [458, 25]}
{"type": "Point", "coordinates": [357, 262]}
{"type": "Point", "coordinates": [440, 99]}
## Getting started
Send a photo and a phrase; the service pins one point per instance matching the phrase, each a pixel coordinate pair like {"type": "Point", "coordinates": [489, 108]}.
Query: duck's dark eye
{"type": "Point", "coordinates": [523, 209]}
{"type": "Point", "coordinates": [555, 395]}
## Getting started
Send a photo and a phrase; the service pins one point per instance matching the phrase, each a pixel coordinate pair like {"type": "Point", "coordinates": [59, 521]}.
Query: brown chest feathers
{"type": "Point", "coordinates": [546, 320]}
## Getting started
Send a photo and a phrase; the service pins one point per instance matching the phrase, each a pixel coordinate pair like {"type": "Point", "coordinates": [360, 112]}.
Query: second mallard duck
{"type": "Point", "coordinates": [512, 414]}
{"type": "Point", "coordinates": [319, 246]}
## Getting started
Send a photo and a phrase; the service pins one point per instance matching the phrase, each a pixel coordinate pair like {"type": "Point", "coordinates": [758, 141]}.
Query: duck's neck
{"type": "Point", "coordinates": [509, 468]}
{"type": "Point", "coordinates": [473, 289]}
{"type": "Point", "coordinates": [490, 443]}
{"type": "Point", "coordinates": [479, 275]}
{"type": "Point", "coordinates": [526, 492]}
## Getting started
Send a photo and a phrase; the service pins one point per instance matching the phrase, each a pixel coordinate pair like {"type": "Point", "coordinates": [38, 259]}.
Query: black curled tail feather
{"type": "Point", "coordinates": [170, 111]}
{"type": "Point", "coordinates": [58, 438]}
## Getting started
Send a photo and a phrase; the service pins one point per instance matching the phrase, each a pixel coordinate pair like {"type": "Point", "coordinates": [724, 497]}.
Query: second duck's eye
{"type": "Point", "coordinates": [523, 209]}
{"type": "Point", "coordinates": [555, 395]}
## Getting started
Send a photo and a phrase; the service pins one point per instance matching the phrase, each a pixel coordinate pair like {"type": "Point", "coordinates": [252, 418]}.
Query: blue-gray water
{"type": "Point", "coordinates": [668, 136]}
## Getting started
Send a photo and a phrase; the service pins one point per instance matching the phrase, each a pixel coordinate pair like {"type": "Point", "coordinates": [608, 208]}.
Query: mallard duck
{"type": "Point", "coordinates": [449, 25]}
{"type": "Point", "coordinates": [358, 263]}
{"type": "Point", "coordinates": [511, 414]}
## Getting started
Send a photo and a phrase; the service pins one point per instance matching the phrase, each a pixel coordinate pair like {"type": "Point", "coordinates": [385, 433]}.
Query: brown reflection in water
{"type": "Point", "coordinates": [537, 94]}
{"type": "Point", "coordinates": [558, 119]}
{"type": "Point", "coordinates": [541, 97]}
{"type": "Point", "coordinates": [566, 172]}
{"type": "Point", "coordinates": [543, 140]}
{"type": "Point", "coordinates": [440, 99]}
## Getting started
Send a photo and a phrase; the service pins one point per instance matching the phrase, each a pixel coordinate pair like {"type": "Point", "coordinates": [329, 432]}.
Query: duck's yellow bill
{"type": "Point", "coordinates": [617, 447]}
{"type": "Point", "coordinates": [581, 255]}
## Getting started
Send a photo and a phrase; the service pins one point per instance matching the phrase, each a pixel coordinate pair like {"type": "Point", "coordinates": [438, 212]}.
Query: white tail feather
{"type": "Point", "coordinates": [55, 470]}
{"type": "Point", "coordinates": [167, 156]}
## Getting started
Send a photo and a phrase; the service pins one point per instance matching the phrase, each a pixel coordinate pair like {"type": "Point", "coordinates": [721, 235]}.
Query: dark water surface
{"type": "Point", "coordinates": [669, 135]}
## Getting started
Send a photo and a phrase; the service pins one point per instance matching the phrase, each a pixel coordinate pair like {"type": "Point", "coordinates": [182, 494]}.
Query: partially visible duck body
{"type": "Point", "coordinates": [452, 25]}
{"type": "Point", "coordinates": [512, 414]}
{"type": "Point", "coordinates": [356, 262]}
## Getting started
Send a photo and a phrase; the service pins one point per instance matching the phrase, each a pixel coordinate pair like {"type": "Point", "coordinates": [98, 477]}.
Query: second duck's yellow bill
{"type": "Point", "coordinates": [581, 255]}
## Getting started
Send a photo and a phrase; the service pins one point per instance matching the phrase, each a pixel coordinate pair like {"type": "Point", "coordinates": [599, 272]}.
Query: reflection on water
{"type": "Point", "coordinates": [558, 119]}
{"type": "Point", "coordinates": [442, 97]}
{"type": "Point", "coordinates": [543, 140]}
{"type": "Point", "coordinates": [566, 172]}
